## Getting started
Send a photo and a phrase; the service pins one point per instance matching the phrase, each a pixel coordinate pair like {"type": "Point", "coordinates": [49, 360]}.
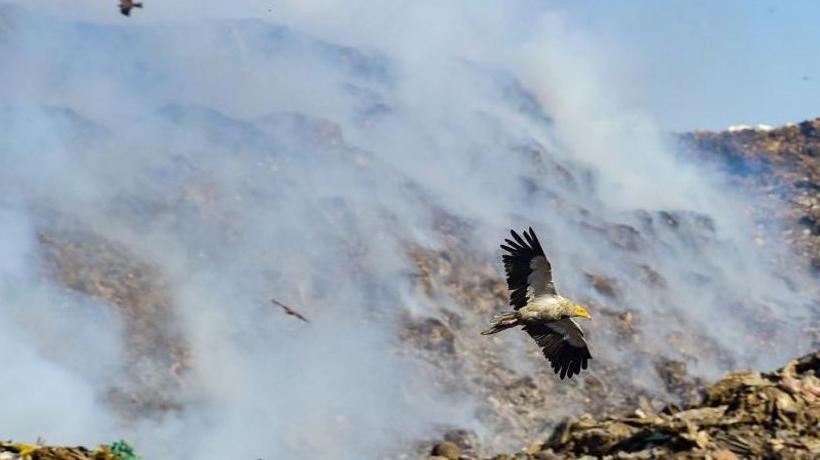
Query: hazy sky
{"type": "Point", "coordinates": [694, 64]}
{"type": "Point", "coordinates": [711, 64]}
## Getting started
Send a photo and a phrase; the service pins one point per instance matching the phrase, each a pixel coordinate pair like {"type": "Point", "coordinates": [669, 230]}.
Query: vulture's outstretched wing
{"type": "Point", "coordinates": [529, 273]}
{"type": "Point", "coordinates": [563, 345]}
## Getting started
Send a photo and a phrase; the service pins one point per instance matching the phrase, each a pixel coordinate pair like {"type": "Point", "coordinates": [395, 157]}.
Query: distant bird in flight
{"type": "Point", "coordinates": [544, 314]}
{"type": "Point", "coordinates": [289, 311]}
{"type": "Point", "coordinates": [127, 5]}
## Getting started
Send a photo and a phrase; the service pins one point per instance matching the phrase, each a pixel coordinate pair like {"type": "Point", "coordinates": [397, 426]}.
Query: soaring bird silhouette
{"type": "Point", "coordinates": [544, 314]}
{"type": "Point", "coordinates": [127, 5]}
{"type": "Point", "coordinates": [289, 311]}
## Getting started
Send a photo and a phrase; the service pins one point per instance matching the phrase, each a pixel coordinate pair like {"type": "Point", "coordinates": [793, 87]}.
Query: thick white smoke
{"type": "Point", "coordinates": [51, 380]}
{"type": "Point", "coordinates": [293, 154]}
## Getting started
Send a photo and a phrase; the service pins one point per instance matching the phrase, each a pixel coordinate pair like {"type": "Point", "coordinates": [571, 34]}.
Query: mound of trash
{"type": "Point", "coordinates": [119, 450]}
{"type": "Point", "coordinates": [744, 415]}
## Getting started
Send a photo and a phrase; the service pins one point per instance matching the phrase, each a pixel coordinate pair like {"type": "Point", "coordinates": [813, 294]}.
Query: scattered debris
{"type": "Point", "coordinates": [124, 451]}
{"type": "Point", "coordinates": [604, 285]}
{"type": "Point", "coordinates": [676, 379]}
{"type": "Point", "coordinates": [289, 311]}
{"type": "Point", "coordinates": [446, 450]}
{"type": "Point", "coordinates": [119, 450]}
{"type": "Point", "coordinates": [743, 415]}
{"type": "Point", "coordinates": [466, 440]}
{"type": "Point", "coordinates": [429, 334]}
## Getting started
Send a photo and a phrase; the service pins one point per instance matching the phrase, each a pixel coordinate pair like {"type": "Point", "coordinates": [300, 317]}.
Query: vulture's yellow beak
{"type": "Point", "coordinates": [581, 312]}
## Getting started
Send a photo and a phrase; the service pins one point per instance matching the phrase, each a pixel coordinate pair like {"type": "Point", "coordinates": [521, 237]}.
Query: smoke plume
{"type": "Point", "coordinates": [244, 151]}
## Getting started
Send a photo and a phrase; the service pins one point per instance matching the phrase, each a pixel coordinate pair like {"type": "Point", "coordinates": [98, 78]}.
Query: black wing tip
{"type": "Point", "coordinates": [519, 239]}
{"type": "Point", "coordinates": [526, 231]}
{"type": "Point", "coordinates": [532, 236]}
{"type": "Point", "coordinates": [535, 243]}
{"type": "Point", "coordinates": [568, 373]}
{"type": "Point", "coordinates": [530, 240]}
{"type": "Point", "coordinates": [567, 367]}
{"type": "Point", "coordinates": [512, 245]}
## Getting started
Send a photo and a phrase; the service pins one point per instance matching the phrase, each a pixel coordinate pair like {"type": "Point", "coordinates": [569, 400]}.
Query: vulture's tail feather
{"type": "Point", "coordinates": [501, 322]}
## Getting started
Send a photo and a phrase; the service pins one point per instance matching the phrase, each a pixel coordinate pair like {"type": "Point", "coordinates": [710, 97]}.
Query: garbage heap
{"type": "Point", "coordinates": [119, 450]}
{"type": "Point", "coordinates": [744, 415]}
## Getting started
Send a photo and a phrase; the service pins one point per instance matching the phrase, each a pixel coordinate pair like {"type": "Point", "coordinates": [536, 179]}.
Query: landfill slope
{"type": "Point", "coordinates": [777, 164]}
{"type": "Point", "coordinates": [745, 414]}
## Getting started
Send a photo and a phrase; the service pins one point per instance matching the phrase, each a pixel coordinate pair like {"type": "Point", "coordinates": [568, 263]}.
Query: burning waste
{"type": "Point", "coordinates": [161, 181]}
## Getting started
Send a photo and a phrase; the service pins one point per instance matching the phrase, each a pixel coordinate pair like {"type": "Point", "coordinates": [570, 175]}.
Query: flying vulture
{"type": "Point", "coordinates": [127, 5]}
{"type": "Point", "coordinates": [289, 311]}
{"type": "Point", "coordinates": [544, 314]}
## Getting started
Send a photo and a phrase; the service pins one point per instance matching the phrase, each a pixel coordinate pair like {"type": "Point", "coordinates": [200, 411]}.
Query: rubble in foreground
{"type": "Point", "coordinates": [744, 415]}
{"type": "Point", "coordinates": [118, 450]}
